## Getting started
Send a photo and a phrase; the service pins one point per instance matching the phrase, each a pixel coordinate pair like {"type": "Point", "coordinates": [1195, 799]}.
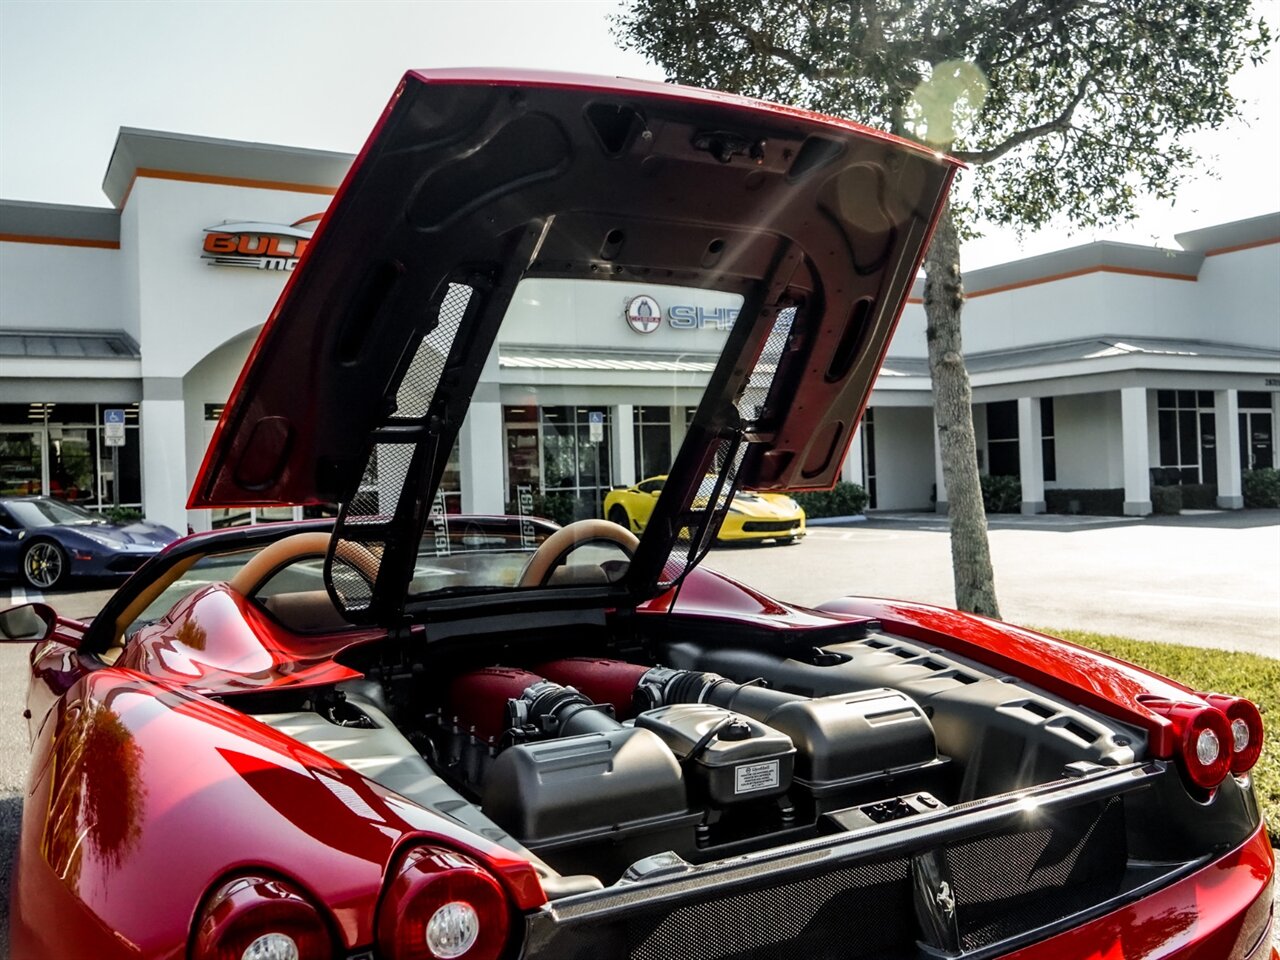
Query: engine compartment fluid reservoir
{"type": "Point", "coordinates": [727, 757]}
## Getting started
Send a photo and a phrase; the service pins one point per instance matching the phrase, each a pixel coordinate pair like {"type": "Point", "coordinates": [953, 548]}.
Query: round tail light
{"type": "Point", "coordinates": [1203, 739]}
{"type": "Point", "coordinates": [260, 918]}
{"type": "Point", "coordinates": [1246, 729]}
{"type": "Point", "coordinates": [442, 905]}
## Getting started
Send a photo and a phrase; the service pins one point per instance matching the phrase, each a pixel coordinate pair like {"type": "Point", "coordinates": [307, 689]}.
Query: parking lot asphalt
{"type": "Point", "coordinates": [1209, 579]}
{"type": "Point", "coordinates": [1205, 580]}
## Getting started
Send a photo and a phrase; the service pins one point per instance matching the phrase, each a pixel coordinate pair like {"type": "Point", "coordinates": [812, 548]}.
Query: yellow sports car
{"type": "Point", "coordinates": [752, 516]}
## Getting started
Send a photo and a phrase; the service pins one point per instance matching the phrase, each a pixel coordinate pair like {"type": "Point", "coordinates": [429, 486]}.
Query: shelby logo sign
{"type": "Point", "coordinates": [260, 246]}
{"type": "Point", "coordinates": [645, 316]}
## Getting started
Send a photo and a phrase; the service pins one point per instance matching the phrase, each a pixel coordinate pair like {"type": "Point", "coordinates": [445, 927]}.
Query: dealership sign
{"type": "Point", "coordinates": [259, 246]}
{"type": "Point", "coordinates": [643, 315]}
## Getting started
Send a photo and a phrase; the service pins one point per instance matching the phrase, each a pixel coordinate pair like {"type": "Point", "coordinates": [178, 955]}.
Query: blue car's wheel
{"type": "Point", "coordinates": [44, 565]}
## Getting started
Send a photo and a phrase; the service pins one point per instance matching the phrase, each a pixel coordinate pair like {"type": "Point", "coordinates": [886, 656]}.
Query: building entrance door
{"type": "Point", "coordinates": [1257, 440]}
{"type": "Point", "coordinates": [24, 468]}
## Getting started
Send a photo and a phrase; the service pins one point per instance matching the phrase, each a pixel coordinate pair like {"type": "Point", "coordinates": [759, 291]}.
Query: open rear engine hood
{"type": "Point", "coordinates": [471, 182]}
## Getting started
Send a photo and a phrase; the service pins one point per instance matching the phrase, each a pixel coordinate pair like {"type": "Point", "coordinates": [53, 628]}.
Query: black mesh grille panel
{"type": "Point", "coordinates": [353, 571]}
{"type": "Point", "coordinates": [801, 919]}
{"type": "Point", "coordinates": [1001, 885]}
{"type": "Point", "coordinates": [752, 401]}
{"type": "Point", "coordinates": [418, 387]}
{"type": "Point", "coordinates": [383, 481]}
{"type": "Point", "coordinates": [709, 506]}
{"type": "Point", "coordinates": [363, 526]}
{"type": "Point", "coordinates": [1009, 883]}
{"type": "Point", "coordinates": [818, 918]}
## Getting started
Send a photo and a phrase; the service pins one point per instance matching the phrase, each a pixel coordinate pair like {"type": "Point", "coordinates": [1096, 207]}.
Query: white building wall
{"type": "Point", "coordinates": [908, 339]}
{"type": "Point", "coordinates": [1093, 305]}
{"type": "Point", "coordinates": [1232, 301]}
{"type": "Point", "coordinates": [130, 276]}
{"type": "Point", "coordinates": [54, 287]}
{"type": "Point", "coordinates": [209, 381]}
{"type": "Point", "coordinates": [904, 458]}
{"type": "Point", "coordinates": [188, 307]}
{"type": "Point", "coordinates": [1087, 442]}
{"type": "Point", "coordinates": [1237, 295]}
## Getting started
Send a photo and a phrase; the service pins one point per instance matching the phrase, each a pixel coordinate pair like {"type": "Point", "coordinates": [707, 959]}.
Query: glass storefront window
{"type": "Point", "coordinates": [1186, 441]}
{"type": "Point", "coordinates": [1002, 439]}
{"type": "Point", "coordinates": [21, 462]}
{"type": "Point", "coordinates": [652, 441]}
{"type": "Point", "coordinates": [576, 458]}
{"type": "Point", "coordinates": [57, 450]}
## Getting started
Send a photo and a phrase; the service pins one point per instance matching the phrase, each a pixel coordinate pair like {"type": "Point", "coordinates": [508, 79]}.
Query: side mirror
{"type": "Point", "coordinates": [27, 624]}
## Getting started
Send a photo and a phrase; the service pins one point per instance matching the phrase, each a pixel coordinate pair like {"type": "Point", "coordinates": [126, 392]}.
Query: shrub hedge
{"type": "Point", "coordinates": [1166, 500]}
{"type": "Point", "coordinates": [1199, 496]}
{"type": "Point", "coordinates": [1092, 503]}
{"type": "Point", "coordinates": [1262, 488]}
{"type": "Point", "coordinates": [842, 500]}
{"type": "Point", "coordinates": [123, 515]}
{"type": "Point", "coordinates": [1001, 494]}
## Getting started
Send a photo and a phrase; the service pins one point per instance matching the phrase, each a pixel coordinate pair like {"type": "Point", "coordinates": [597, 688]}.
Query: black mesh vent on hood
{"type": "Point", "coordinates": [366, 524]}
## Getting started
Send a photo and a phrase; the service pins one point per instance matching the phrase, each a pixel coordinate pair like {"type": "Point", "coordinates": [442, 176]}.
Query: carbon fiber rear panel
{"type": "Point", "coordinates": [1001, 885]}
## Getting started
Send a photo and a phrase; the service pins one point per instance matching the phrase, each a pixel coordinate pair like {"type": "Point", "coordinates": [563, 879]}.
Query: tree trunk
{"type": "Point", "coordinates": [953, 409]}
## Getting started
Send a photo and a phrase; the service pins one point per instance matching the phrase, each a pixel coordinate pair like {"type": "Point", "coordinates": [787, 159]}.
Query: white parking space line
{"type": "Point", "coordinates": [18, 595]}
{"type": "Point", "coordinates": [835, 533]}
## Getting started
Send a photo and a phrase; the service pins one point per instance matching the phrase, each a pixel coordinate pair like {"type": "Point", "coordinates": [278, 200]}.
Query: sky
{"type": "Point", "coordinates": [317, 74]}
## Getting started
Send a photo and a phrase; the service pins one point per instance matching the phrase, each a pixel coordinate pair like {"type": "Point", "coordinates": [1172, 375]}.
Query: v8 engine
{"type": "Point", "coordinates": [599, 764]}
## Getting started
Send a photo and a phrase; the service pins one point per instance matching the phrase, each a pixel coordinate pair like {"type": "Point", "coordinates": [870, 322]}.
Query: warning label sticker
{"type": "Point", "coordinates": [755, 776]}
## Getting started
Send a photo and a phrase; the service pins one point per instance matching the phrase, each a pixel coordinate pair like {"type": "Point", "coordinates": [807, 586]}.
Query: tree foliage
{"type": "Point", "coordinates": [1060, 107]}
{"type": "Point", "coordinates": [1087, 102]}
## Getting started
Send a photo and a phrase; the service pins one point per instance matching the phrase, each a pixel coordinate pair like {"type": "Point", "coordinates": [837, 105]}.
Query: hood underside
{"type": "Point", "coordinates": [471, 183]}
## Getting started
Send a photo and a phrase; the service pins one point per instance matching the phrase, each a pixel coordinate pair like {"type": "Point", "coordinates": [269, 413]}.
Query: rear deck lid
{"type": "Point", "coordinates": [472, 184]}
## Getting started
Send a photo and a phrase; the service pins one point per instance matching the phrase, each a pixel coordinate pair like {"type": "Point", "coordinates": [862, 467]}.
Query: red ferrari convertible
{"type": "Point", "coordinates": [411, 736]}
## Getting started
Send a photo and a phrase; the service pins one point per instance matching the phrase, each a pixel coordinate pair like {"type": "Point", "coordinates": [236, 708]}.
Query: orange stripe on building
{"type": "Point", "coordinates": [1127, 271]}
{"type": "Point", "coordinates": [60, 241]}
{"type": "Point", "coordinates": [1242, 246]}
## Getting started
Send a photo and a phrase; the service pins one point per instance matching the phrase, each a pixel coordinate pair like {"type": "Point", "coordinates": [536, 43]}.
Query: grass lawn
{"type": "Point", "coordinates": [1239, 674]}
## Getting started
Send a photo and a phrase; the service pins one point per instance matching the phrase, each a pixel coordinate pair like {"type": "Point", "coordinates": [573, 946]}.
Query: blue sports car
{"type": "Point", "coordinates": [45, 541]}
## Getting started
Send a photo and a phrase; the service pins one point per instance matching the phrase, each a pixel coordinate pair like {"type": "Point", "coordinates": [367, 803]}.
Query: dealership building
{"type": "Point", "coordinates": [1097, 370]}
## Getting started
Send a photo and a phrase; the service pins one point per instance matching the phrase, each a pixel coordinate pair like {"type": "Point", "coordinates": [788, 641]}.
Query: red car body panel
{"type": "Point", "coordinates": [1205, 916]}
{"type": "Point", "coordinates": [218, 642]}
{"type": "Point", "coordinates": [138, 778]}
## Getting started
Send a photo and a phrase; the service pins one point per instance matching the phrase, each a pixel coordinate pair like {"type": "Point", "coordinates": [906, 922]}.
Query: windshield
{"type": "Point", "coordinates": [47, 513]}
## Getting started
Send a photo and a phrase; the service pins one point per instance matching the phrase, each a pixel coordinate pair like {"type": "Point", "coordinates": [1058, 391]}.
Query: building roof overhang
{"type": "Point", "coordinates": [24, 221]}
{"type": "Point", "coordinates": [69, 345]}
{"type": "Point", "coordinates": [1086, 357]}
{"type": "Point", "coordinates": [180, 156]}
{"type": "Point", "coordinates": [1229, 237]}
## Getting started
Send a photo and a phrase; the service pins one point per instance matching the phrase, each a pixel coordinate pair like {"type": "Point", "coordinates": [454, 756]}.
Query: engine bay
{"type": "Point", "coordinates": [608, 769]}
{"type": "Point", "coordinates": [596, 764]}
